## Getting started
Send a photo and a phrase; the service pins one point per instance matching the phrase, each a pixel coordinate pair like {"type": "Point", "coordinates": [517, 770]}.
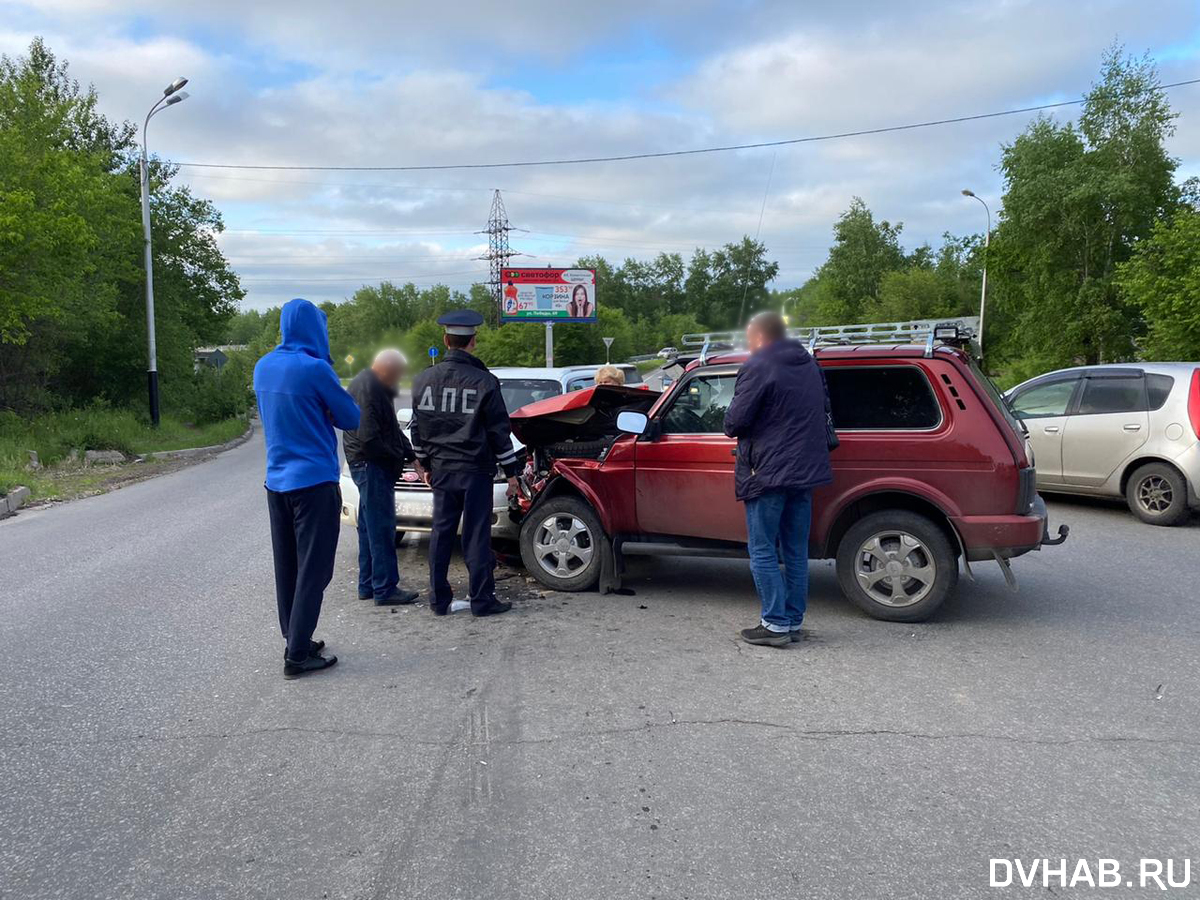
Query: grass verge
{"type": "Point", "coordinates": [54, 436]}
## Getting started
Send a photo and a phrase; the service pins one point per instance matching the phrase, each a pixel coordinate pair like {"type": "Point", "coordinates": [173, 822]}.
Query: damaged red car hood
{"type": "Point", "coordinates": [585, 415]}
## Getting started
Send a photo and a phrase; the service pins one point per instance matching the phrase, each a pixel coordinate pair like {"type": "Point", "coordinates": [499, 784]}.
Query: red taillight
{"type": "Point", "coordinates": [1194, 402]}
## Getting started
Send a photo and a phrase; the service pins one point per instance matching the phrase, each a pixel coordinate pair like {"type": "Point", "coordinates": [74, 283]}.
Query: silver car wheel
{"type": "Point", "coordinates": [895, 568]}
{"type": "Point", "coordinates": [563, 545]}
{"type": "Point", "coordinates": [1154, 494]}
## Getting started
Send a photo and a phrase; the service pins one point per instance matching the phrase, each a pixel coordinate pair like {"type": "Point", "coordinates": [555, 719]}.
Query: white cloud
{"type": "Point", "coordinates": [404, 84]}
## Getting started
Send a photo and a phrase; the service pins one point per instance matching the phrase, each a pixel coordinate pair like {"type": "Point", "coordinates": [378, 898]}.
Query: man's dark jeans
{"type": "Point", "coordinates": [378, 572]}
{"type": "Point", "coordinates": [304, 537]}
{"type": "Point", "coordinates": [777, 524]}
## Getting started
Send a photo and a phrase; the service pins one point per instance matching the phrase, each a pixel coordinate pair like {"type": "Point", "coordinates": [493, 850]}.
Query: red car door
{"type": "Point", "coordinates": [684, 479]}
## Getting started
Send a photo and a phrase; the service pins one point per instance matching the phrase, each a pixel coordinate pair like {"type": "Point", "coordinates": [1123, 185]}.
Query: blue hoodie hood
{"type": "Point", "coordinates": [305, 329]}
{"type": "Point", "coordinates": [300, 400]}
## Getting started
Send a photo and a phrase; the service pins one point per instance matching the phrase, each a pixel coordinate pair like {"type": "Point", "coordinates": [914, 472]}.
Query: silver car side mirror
{"type": "Point", "coordinates": [632, 422]}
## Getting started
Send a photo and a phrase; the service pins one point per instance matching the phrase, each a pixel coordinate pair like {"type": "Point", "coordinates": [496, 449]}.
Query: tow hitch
{"type": "Point", "coordinates": [1063, 531]}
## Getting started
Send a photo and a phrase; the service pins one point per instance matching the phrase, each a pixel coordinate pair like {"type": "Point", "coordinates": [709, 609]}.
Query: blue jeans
{"type": "Point", "coordinates": [777, 524]}
{"type": "Point", "coordinates": [378, 572]}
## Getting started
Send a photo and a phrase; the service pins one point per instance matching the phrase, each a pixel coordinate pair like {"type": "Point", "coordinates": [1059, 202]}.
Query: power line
{"type": "Point", "coordinates": [393, 186]}
{"type": "Point", "coordinates": [862, 132]}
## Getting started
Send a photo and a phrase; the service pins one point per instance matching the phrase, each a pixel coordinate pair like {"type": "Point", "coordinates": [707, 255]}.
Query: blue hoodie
{"type": "Point", "coordinates": [300, 400]}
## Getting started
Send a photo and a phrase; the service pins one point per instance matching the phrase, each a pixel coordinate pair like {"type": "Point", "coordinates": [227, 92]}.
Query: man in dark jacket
{"type": "Point", "coordinates": [460, 433]}
{"type": "Point", "coordinates": [300, 401]}
{"type": "Point", "coordinates": [376, 453]}
{"type": "Point", "coordinates": [778, 416]}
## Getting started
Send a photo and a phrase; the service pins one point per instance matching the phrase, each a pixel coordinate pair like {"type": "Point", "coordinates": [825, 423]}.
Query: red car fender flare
{"type": "Point", "coordinates": [920, 490]}
{"type": "Point", "coordinates": [582, 487]}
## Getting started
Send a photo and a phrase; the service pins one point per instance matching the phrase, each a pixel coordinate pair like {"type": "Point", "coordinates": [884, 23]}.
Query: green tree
{"type": "Point", "coordinates": [72, 314]}
{"type": "Point", "coordinates": [1077, 201]}
{"type": "Point", "coordinates": [863, 252]}
{"type": "Point", "coordinates": [1162, 280]}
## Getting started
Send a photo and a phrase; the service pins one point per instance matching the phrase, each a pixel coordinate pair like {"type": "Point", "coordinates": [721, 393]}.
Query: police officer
{"type": "Point", "coordinates": [460, 433]}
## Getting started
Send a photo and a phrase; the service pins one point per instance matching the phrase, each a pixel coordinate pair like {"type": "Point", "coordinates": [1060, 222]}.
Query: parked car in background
{"type": "Point", "coordinates": [932, 469]}
{"type": "Point", "coordinates": [1129, 430]}
{"type": "Point", "coordinates": [519, 387]}
{"type": "Point", "coordinates": [668, 353]}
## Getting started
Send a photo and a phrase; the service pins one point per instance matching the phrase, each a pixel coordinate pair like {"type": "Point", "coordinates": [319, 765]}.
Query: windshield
{"type": "Point", "coordinates": [518, 392]}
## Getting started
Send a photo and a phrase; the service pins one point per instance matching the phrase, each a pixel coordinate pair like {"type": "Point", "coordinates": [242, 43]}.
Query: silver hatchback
{"type": "Point", "coordinates": [1128, 430]}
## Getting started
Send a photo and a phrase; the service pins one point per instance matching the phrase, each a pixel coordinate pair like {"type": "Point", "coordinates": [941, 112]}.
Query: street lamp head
{"type": "Point", "coordinates": [967, 192]}
{"type": "Point", "coordinates": [174, 86]}
{"type": "Point", "coordinates": [177, 98]}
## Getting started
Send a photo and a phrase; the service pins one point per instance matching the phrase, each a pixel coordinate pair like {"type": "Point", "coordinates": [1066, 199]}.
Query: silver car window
{"type": "Point", "coordinates": [1113, 395]}
{"type": "Point", "coordinates": [1041, 400]}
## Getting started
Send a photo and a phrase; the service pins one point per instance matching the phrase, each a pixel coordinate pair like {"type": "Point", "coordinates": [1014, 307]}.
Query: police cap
{"type": "Point", "coordinates": [461, 321]}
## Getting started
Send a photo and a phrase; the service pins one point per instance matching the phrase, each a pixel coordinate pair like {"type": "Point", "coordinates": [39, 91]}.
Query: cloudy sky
{"type": "Point", "coordinates": [359, 83]}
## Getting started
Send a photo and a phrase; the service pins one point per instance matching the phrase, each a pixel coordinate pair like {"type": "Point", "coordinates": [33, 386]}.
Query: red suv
{"type": "Point", "coordinates": [932, 468]}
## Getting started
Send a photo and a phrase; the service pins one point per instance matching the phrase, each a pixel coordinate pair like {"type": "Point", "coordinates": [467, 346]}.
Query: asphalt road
{"type": "Point", "coordinates": [579, 747]}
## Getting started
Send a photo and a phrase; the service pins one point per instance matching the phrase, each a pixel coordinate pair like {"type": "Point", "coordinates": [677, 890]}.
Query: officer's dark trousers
{"type": "Point", "coordinates": [304, 536]}
{"type": "Point", "coordinates": [466, 496]}
{"type": "Point", "coordinates": [378, 572]}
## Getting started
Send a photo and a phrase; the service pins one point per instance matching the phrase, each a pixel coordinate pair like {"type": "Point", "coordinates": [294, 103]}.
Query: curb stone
{"type": "Point", "coordinates": [200, 451]}
{"type": "Point", "coordinates": [13, 500]}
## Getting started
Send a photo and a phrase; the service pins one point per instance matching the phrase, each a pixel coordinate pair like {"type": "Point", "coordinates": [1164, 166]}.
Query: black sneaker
{"type": "Point", "coordinates": [366, 596]}
{"type": "Point", "coordinates": [796, 635]}
{"type": "Point", "coordinates": [492, 609]}
{"type": "Point", "coordinates": [398, 597]}
{"type": "Point", "coordinates": [765, 637]}
{"type": "Point", "coordinates": [314, 647]}
{"type": "Point", "coordinates": [314, 663]}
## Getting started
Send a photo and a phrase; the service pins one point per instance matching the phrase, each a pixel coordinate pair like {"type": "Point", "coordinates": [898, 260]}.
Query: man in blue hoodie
{"type": "Point", "coordinates": [300, 401]}
{"type": "Point", "coordinates": [778, 416]}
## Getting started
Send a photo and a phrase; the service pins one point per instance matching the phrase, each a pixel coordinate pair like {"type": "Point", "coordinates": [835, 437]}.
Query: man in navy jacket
{"type": "Point", "coordinates": [778, 416]}
{"type": "Point", "coordinates": [300, 400]}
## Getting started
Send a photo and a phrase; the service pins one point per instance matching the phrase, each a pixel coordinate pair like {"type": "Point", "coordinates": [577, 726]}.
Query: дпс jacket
{"type": "Point", "coordinates": [778, 416]}
{"type": "Point", "coordinates": [378, 438]}
{"type": "Point", "coordinates": [459, 422]}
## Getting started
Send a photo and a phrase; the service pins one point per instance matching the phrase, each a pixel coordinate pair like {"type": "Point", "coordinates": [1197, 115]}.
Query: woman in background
{"type": "Point", "coordinates": [607, 374]}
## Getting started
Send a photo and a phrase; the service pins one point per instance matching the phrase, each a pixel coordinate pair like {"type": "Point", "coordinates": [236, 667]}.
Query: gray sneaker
{"type": "Point", "coordinates": [765, 637]}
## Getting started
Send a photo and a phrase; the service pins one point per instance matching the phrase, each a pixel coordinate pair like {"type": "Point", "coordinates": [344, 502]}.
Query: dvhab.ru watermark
{"type": "Point", "coordinates": [1157, 874]}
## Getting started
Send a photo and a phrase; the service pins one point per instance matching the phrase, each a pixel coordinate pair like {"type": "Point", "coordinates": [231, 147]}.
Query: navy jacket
{"type": "Point", "coordinates": [300, 400]}
{"type": "Point", "coordinates": [460, 423]}
{"type": "Point", "coordinates": [778, 416]}
{"type": "Point", "coordinates": [378, 438]}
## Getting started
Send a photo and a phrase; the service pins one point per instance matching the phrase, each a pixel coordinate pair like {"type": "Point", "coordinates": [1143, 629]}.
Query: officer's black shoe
{"type": "Point", "coordinates": [440, 610]}
{"type": "Point", "coordinates": [398, 597]}
{"type": "Point", "coordinates": [765, 637]}
{"type": "Point", "coordinates": [366, 596]}
{"type": "Point", "coordinates": [314, 663]}
{"type": "Point", "coordinates": [314, 647]}
{"type": "Point", "coordinates": [492, 609]}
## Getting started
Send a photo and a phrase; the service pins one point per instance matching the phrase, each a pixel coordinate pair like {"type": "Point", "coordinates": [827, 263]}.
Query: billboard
{"type": "Point", "coordinates": [547, 295]}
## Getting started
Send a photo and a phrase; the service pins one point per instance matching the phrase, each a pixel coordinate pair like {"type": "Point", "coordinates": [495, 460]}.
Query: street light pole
{"type": "Point", "coordinates": [987, 242]}
{"type": "Point", "coordinates": [170, 97]}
